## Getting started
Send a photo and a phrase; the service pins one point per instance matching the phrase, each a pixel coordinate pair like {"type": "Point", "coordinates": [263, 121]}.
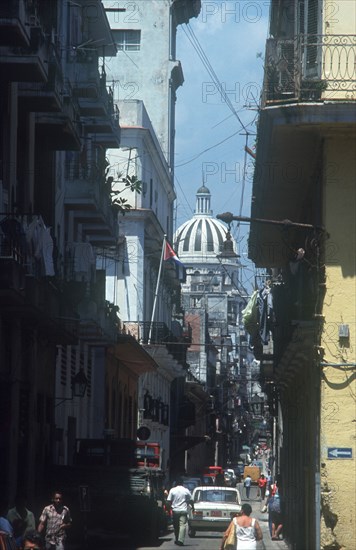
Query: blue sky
{"type": "Point", "coordinates": [231, 34]}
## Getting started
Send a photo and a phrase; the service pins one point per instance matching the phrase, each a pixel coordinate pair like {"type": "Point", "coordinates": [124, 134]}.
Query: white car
{"type": "Point", "coordinates": [214, 507]}
{"type": "Point", "coordinates": [230, 477]}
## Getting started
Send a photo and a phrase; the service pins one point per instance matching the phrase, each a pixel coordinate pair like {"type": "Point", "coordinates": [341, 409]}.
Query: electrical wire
{"type": "Point", "coordinates": [204, 58]}
{"type": "Point", "coordinates": [206, 150]}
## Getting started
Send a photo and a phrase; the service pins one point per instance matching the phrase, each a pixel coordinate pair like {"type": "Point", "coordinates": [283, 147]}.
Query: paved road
{"type": "Point", "coordinates": [202, 541]}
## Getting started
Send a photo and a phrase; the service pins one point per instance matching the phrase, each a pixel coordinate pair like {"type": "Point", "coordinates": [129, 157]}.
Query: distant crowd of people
{"type": "Point", "coordinates": [19, 526]}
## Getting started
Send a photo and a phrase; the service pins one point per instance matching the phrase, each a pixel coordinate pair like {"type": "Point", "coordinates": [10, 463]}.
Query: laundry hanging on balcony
{"type": "Point", "coordinates": [83, 261]}
{"type": "Point", "coordinates": [250, 314]}
{"type": "Point", "coordinates": [40, 248]}
{"type": "Point", "coordinates": [258, 316]}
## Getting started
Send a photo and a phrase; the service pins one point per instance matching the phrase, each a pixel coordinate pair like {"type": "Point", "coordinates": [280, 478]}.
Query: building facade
{"type": "Point", "coordinates": [304, 190]}
{"type": "Point", "coordinates": [57, 119]}
{"type": "Point", "coordinates": [144, 78]}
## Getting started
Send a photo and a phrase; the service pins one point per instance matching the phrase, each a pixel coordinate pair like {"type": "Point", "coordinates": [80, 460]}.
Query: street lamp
{"type": "Point", "coordinates": [79, 385]}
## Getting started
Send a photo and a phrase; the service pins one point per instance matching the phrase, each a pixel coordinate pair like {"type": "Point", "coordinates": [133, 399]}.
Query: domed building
{"type": "Point", "coordinates": [204, 244]}
{"type": "Point", "coordinates": [201, 238]}
{"type": "Point", "coordinates": [211, 291]}
{"type": "Point", "coordinates": [211, 300]}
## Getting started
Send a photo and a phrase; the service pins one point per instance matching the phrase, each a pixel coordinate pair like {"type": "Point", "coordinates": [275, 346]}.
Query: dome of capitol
{"type": "Point", "coordinates": [201, 238]}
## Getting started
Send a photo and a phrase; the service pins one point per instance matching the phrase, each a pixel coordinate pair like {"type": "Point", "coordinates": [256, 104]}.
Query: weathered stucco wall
{"type": "Point", "coordinates": [338, 389]}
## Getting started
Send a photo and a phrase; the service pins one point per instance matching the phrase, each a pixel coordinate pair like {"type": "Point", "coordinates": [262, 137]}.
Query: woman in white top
{"type": "Point", "coordinates": [247, 530]}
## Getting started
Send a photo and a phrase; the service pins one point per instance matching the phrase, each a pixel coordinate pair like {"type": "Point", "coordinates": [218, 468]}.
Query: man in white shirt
{"type": "Point", "coordinates": [179, 498]}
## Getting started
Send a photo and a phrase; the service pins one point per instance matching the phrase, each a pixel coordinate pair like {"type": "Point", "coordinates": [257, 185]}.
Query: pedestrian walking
{"type": "Point", "coordinates": [247, 485]}
{"type": "Point", "coordinates": [179, 498]}
{"type": "Point", "coordinates": [262, 485]}
{"type": "Point", "coordinates": [21, 518]}
{"type": "Point", "coordinates": [247, 530]}
{"type": "Point", "coordinates": [275, 512]}
{"type": "Point", "coordinates": [55, 520]}
{"type": "Point", "coordinates": [5, 525]}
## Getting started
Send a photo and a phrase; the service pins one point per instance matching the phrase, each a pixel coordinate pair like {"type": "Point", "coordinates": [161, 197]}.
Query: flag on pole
{"type": "Point", "coordinates": [169, 254]}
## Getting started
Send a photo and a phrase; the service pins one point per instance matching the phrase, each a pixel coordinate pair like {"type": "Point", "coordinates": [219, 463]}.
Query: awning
{"type": "Point", "coordinates": [133, 355]}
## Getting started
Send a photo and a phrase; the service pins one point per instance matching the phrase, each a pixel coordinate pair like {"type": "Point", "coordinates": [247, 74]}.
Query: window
{"type": "Point", "coordinates": [127, 40]}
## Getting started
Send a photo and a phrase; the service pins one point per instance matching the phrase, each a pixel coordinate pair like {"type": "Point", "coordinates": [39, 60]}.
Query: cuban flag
{"type": "Point", "coordinates": [169, 254]}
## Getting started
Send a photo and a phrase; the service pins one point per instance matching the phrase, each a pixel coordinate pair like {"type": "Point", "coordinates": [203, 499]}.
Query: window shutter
{"type": "Point", "coordinates": [312, 20]}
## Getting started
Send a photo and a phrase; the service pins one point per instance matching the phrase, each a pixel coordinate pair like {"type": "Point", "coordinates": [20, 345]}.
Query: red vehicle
{"type": "Point", "coordinates": [148, 454]}
{"type": "Point", "coordinates": [212, 471]}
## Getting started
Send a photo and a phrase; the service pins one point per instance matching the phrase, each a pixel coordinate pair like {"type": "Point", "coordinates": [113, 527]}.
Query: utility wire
{"type": "Point", "coordinates": [203, 57]}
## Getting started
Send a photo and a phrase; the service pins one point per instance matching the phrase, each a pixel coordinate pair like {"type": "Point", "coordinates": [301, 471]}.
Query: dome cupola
{"type": "Point", "coordinates": [201, 238]}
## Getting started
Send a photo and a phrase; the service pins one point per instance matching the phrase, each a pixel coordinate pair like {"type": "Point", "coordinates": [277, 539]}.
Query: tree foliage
{"type": "Point", "coordinates": [130, 183]}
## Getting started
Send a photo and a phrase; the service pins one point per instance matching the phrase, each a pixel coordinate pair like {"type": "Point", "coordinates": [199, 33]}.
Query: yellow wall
{"type": "Point", "coordinates": [339, 18]}
{"type": "Point", "coordinates": [338, 390]}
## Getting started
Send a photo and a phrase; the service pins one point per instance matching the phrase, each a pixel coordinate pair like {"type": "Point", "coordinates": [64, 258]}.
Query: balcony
{"type": "Point", "coordinates": [310, 68]}
{"type": "Point", "coordinates": [61, 131]}
{"type": "Point", "coordinates": [161, 335]}
{"type": "Point", "coordinates": [14, 29]}
{"type": "Point", "coordinates": [35, 299]}
{"type": "Point", "coordinates": [105, 128]}
{"type": "Point", "coordinates": [12, 269]}
{"type": "Point", "coordinates": [87, 196]}
{"type": "Point", "coordinates": [44, 97]}
{"type": "Point", "coordinates": [27, 63]}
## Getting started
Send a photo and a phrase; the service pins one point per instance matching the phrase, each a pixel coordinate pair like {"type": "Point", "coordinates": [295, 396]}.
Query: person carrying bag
{"type": "Point", "coordinates": [243, 532]}
{"type": "Point", "coordinates": [229, 538]}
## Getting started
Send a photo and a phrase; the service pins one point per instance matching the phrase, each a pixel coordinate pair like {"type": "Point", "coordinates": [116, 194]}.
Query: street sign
{"type": "Point", "coordinates": [339, 452]}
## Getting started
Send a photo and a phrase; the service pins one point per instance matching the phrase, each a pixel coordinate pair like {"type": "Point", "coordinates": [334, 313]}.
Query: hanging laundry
{"type": "Point", "coordinates": [40, 248]}
{"type": "Point", "coordinates": [250, 314]}
{"type": "Point", "coordinates": [84, 261]}
{"type": "Point", "coordinates": [265, 313]}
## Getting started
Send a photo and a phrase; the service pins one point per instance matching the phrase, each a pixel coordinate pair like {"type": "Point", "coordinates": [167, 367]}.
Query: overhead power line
{"type": "Point", "coordinates": [203, 57]}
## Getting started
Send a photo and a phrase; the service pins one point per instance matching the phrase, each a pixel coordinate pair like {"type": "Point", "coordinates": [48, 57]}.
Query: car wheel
{"type": "Point", "coordinates": [191, 532]}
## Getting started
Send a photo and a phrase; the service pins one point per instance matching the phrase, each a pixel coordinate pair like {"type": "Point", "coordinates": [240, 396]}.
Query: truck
{"type": "Point", "coordinates": [253, 471]}
{"type": "Point", "coordinates": [111, 486]}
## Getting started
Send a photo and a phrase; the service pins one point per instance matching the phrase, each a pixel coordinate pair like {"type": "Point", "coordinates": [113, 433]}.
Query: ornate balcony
{"type": "Point", "coordinates": [310, 68]}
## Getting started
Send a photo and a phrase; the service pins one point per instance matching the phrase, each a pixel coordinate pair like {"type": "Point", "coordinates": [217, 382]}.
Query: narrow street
{"type": "Point", "coordinates": [202, 541]}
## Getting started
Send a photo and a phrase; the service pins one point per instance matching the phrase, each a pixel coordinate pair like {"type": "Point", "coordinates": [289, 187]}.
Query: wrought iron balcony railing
{"type": "Point", "coordinates": [310, 68]}
{"type": "Point", "coordinates": [160, 334]}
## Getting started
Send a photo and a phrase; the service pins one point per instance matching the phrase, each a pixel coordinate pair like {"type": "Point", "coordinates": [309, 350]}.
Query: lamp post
{"type": "Point", "coordinates": [79, 385]}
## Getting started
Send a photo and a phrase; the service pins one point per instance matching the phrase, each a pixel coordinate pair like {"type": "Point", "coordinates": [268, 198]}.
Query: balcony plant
{"type": "Point", "coordinates": [311, 90]}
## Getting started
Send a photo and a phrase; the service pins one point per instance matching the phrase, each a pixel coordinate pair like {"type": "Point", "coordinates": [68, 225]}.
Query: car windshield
{"type": "Point", "coordinates": [212, 495]}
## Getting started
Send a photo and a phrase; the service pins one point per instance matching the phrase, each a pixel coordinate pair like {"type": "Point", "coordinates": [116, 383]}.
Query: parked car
{"type": "Point", "coordinates": [214, 507]}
